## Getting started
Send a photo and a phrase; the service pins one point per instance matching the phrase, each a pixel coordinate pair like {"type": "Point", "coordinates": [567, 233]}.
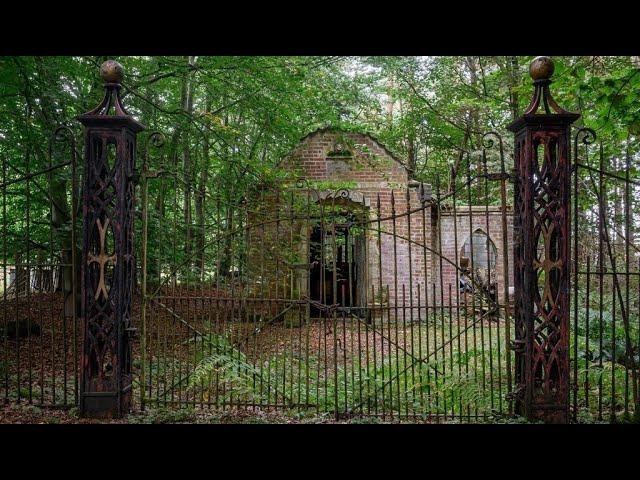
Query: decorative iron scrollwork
{"type": "Point", "coordinates": [541, 252]}
{"type": "Point", "coordinates": [107, 278]}
{"type": "Point", "coordinates": [102, 259]}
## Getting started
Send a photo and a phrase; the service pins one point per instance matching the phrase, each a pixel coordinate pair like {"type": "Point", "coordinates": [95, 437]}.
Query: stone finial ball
{"type": "Point", "coordinates": [541, 68]}
{"type": "Point", "coordinates": [111, 72]}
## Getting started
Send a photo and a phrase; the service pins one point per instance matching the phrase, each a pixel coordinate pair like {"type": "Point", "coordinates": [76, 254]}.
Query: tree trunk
{"type": "Point", "coordinates": [201, 196]}
{"type": "Point", "coordinates": [411, 154]}
{"type": "Point", "coordinates": [187, 106]}
{"type": "Point", "coordinates": [59, 186]}
{"type": "Point", "coordinates": [389, 105]}
{"type": "Point", "coordinates": [473, 112]}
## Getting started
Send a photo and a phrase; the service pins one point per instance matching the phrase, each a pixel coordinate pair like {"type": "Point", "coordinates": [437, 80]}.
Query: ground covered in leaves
{"type": "Point", "coordinates": [31, 414]}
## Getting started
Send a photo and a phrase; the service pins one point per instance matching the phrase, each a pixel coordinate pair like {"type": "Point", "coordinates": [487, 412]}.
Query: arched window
{"type": "Point", "coordinates": [483, 257]}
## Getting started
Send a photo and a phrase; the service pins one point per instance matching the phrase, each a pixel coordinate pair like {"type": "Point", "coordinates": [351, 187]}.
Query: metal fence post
{"type": "Point", "coordinates": [108, 261]}
{"type": "Point", "coordinates": [542, 252]}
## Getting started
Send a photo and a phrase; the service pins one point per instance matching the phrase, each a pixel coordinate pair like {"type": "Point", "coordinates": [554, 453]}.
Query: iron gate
{"type": "Point", "coordinates": [331, 301]}
{"type": "Point", "coordinates": [606, 280]}
{"type": "Point", "coordinates": [39, 276]}
{"type": "Point", "coordinates": [310, 297]}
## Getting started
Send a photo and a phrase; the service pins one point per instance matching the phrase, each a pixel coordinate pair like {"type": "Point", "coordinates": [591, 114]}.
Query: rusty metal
{"type": "Point", "coordinates": [38, 319]}
{"type": "Point", "coordinates": [391, 301]}
{"type": "Point", "coordinates": [289, 311]}
{"type": "Point", "coordinates": [108, 257]}
{"type": "Point", "coordinates": [606, 324]}
{"type": "Point", "coordinates": [542, 154]}
{"type": "Point", "coordinates": [504, 177]}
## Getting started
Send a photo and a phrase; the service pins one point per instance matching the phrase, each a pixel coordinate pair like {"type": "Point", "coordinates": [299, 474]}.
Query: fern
{"type": "Point", "coordinates": [228, 363]}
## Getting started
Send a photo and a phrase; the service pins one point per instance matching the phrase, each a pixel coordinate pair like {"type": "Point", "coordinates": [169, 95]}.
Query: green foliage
{"type": "Point", "coordinates": [165, 415]}
{"type": "Point", "coordinates": [227, 363]}
{"type": "Point", "coordinates": [456, 383]}
{"type": "Point", "coordinates": [605, 373]}
{"type": "Point", "coordinates": [228, 121]}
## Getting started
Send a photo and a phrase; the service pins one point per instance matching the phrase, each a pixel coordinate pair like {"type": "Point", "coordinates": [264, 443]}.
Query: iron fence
{"type": "Point", "coordinates": [606, 280]}
{"type": "Point", "coordinates": [232, 327]}
{"type": "Point", "coordinates": [38, 287]}
{"type": "Point", "coordinates": [341, 302]}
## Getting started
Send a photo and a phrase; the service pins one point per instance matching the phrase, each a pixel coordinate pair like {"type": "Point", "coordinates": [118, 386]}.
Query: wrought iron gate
{"type": "Point", "coordinates": [39, 276]}
{"type": "Point", "coordinates": [327, 301]}
{"type": "Point", "coordinates": [605, 326]}
{"type": "Point", "coordinates": [418, 301]}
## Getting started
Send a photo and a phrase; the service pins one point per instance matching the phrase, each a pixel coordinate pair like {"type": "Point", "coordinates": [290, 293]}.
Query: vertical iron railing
{"type": "Point", "coordinates": [39, 282]}
{"type": "Point", "coordinates": [606, 276]}
{"type": "Point", "coordinates": [333, 302]}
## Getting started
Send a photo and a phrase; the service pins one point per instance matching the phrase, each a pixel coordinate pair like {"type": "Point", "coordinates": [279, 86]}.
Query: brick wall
{"type": "Point", "coordinates": [379, 185]}
{"type": "Point", "coordinates": [383, 182]}
{"type": "Point", "coordinates": [456, 229]}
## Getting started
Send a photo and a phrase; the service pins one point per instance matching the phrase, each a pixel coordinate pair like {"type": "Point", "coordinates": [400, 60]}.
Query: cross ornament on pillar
{"type": "Point", "coordinates": [102, 259]}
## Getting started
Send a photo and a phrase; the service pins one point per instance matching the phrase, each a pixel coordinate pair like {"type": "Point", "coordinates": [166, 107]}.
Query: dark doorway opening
{"type": "Point", "coordinates": [337, 265]}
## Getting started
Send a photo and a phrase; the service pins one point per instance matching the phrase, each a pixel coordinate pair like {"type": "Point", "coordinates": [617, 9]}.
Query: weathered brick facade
{"type": "Point", "coordinates": [405, 230]}
{"type": "Point", "coordinates": [457, 227]}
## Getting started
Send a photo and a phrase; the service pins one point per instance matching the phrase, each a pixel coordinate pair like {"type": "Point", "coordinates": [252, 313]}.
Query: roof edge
{"type": "Point", "coordinates": [328, 129]}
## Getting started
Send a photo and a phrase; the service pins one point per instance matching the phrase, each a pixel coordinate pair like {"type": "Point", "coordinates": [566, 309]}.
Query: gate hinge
{"type": "Point", "coordinates": [148, 174]}
{"type": "Point", "coordinates": [301, 266]}
{"type": "Point", "coordinates": [510, 397]}
{"type": "Point", "coordinates": [517, 235]}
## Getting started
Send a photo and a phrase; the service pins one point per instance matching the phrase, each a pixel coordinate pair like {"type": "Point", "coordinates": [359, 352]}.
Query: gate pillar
{"type": "Point", "coordinates": [541, 252]}
{"type": "Point", "coordinates": [108, 261]}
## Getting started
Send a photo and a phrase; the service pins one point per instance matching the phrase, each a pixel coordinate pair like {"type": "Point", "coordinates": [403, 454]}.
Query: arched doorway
{"type": "Point", "coordinates": [337, 253]}
{"type": "Point", "coordinates": [478, 259]}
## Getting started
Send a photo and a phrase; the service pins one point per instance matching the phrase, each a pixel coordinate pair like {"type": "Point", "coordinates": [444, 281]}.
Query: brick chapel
{"type": "Point", "coordinates": [412, 244]}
